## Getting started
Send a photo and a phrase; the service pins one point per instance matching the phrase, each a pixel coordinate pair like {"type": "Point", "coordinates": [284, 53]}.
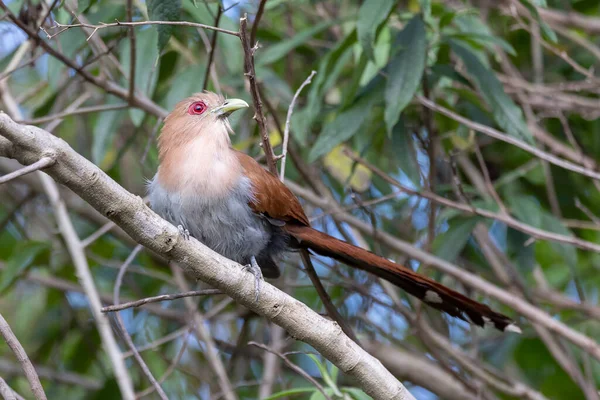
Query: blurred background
{"type": "Point", "coordinates": [430, 128]}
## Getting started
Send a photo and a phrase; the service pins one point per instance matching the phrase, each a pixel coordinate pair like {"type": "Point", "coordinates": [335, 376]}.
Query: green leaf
{"type": "Point", "coordinates": [325, 375]}
{"type": "Point", "coordinates": [451, 243]}
{"type": "Point", "coordinates": [370, 16]}
{"type": "Point", "coordinates": [506, 113]}
{"type": "Point", "coordinates": [146, 68]}
{"type": "Point", "coordinates": [531, 212]}
{"type": "Point", "coordinates": [484, 40]}
{"type": "Point", "coordinates": [356, 394]}
{"type": "Point", "coordinates": [184, 84]}
{"type": "Point", "coordinates": [104, 132]}
{"type": "Point", "coordinates": [403, 149]}
{"type": "Point", "coordinates": [547, 32]}
{"type": "Point", "coordinates": [279, 50]}
{"type": "Point", "coordinates": [405, 70]}
{"type": "Point", "coordinates": [290, 392]}
{"type": "Point", "coordinates": [24, 255]}
{"type": "Point", "coordinates": [330, 68]}
{"type": "Point", "coordinates": [343, 127]}
{"type": "Point", "coordinates": [164, 10]}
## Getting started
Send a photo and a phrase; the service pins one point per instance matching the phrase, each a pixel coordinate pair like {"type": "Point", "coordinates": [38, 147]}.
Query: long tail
{"type": "Point", "coordinates": [434, 294]}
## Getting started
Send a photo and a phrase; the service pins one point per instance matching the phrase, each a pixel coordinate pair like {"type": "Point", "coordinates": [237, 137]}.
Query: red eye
{"type": "Point", "coordinates": [197, 108]}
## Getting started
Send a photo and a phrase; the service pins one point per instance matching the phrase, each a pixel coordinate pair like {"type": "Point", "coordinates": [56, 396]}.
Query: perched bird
{"type": "Point", "coordinates": [226, 200]}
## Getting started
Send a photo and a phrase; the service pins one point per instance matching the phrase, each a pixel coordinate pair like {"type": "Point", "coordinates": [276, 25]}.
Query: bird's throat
{"type": "Point", "coordinates": [205, 165]}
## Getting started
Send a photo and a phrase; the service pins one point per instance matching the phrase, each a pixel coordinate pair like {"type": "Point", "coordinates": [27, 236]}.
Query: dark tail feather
{"type": "Point", "coordinates": [427, 290]}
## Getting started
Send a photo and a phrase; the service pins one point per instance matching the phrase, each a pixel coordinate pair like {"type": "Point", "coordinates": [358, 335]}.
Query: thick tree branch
{"type": "Point", "coordinates": [130, 213]}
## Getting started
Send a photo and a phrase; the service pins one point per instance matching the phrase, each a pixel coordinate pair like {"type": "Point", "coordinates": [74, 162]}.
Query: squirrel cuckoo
{"type": "Point", "coordinates": [226, 200]}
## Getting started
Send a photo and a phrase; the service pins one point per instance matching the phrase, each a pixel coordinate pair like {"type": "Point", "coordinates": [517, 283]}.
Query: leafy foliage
{"type": "Point", "coordinates": [526, 68]}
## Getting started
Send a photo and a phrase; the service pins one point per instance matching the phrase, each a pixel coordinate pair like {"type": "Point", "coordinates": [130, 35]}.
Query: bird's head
{"type": "Point", "coordinates": [203, 114]}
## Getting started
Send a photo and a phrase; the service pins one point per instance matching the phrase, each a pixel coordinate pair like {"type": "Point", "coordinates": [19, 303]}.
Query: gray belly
{"type": "Point", "coordinates": [227, 225]}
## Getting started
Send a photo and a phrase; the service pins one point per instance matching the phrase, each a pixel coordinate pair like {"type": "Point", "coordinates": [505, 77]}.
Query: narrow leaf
{"type": "Point", "coordinates": [22, 258]}
{"type": "Point", "coordinates": [506, 113]}
{"type": "Point", "coordinates": [370, 16]}
{"type": "Point", "coordinates": [279, 50]}
{"type": "Point", "coordinates": [546, 30]}
{"type": "Point", "coordinates": [405, 70]}
{"type": "Point", "coordinates": [164, 10]}
{"type": "Point", "coordinates": [343, 127]}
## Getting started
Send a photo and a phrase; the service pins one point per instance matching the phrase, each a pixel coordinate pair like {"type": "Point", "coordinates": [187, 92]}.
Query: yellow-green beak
{"type": "Point", "coordinates": [229, 106]}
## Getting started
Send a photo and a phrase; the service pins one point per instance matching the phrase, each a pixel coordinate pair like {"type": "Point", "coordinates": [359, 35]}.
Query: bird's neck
{"type": "Point", "coordinates": [205, 165]}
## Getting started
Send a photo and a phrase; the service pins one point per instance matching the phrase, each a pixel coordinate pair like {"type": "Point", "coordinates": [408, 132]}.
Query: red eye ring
{"type": "Point", "coordinates": [197, 108]}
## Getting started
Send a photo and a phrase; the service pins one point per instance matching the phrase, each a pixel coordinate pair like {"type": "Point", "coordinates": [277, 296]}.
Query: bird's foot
{"type": "Point", "coordinates": [255, 270]}
{"type": "Point", "coordinates": [183, 232]}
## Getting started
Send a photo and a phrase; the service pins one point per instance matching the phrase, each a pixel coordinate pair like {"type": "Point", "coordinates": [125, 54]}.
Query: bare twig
{"type": "Point", "coordinates": [40, 164]}
{"type": "Point", "coordinates": [250, 73]}
{"type": "Point", "coordinates": [203, 334]}
{"type": "Point", "coordinates": [155, 299]}
{"type": "Point", "coordinates": [469, 279]}
{"type": "Point", "coordinates": [121, 324]}
{"type": "Point", "coordinates": [79, 111]}
{"type": "Point", "coordinates": [5, 391]}
{"type": "Point", "coordinates": [8, 368]}
{"type": "Point", "coordinates": [334, 314]}
{"type": "Point", "coordinates": [72, 241]}
{"type": "Point", "coordinates": [171, 367]}
{"type": "Point", "coordinates": [271, 364]}
{"type": "Point", "coordinates": [98, 234]}
{"type": "Point", "coordinates": [257, 18]}
{"type": "Point", "coordinates": [26, 365]}
{"type": "Point", "coordinates": [507, 219]}
{"type": "Point", "coordinates": [132, 52]}
{"type": "Point", "coordinates": [293, 367]}
{"type": "Point", "coordinates": [213, 48]}
{"type": "Point", "coordinates": [286, 132]}
{"type": "Point", "coordinates": [509, 139]}
{"type": "Point", "coordinates": [139, 23]}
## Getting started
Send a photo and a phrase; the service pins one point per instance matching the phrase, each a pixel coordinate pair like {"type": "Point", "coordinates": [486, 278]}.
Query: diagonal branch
{"type": "Point", "coordinates": [26, 365]}
{"type": "Point", "coordinates": [132, 215]}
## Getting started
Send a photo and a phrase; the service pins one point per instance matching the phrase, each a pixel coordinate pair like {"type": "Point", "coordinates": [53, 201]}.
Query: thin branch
{"type": "Point", "coordinates": [507, 219]}
{"type": "Point", "coordinates": [79, 111]}
{"type": "Point", "coordinates": [467, 278]}
{"type": "Point", "coordinates": [6, 391]}
{"type": "Point", "coordinates": [123, 329]}
{"type": "Point", "coordinates": [26, 365]}
{"type": "Point", "coordinates": [42, 163]}
{"type": "Point", "coordinates": [293, 367]}
{"type": "Point", "coordinates": [132, 52]}
{"type": "Point", "coordinates": [98, 234]}
{"type": "Point", "coordinates": [259, 14]}
{"type": "Point", "coordinates": [164, 297]}
{"type": "Point", "coordinates": [109, 87]}
{"type": "Point", "coordinates": [271, 364]}
{"type": "Point", "coordinates": [509, 139]}
{"type": "Point", "coordinates": [73, 243]}
{"type": "Point", "coordinates": [171, 367]}
{"type": "Point", "coordinates": [165, 339]}
{"type": "Point", "coordinates": [250, 73]}
{"type": "Point", "coordinates": [52, 374]}
{"type": "Point", "coordinates": [334, 314]}
{"type": "Point", "coordinates": [203, 334]}
{"type": "Point", "coordinates": [9, 72]}
{"type": "Point", "coordinates": [138, 23]}
{"type": "Point", "coordinates": [286, 132]}
{"type": "Point", "coordinates": [213, 48]}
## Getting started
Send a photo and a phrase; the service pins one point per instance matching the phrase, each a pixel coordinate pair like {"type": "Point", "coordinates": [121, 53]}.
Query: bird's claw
{"type": "Point", "coordinates": [183, 232]}
{"type": "Point", "coordinates": [255, 270]}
